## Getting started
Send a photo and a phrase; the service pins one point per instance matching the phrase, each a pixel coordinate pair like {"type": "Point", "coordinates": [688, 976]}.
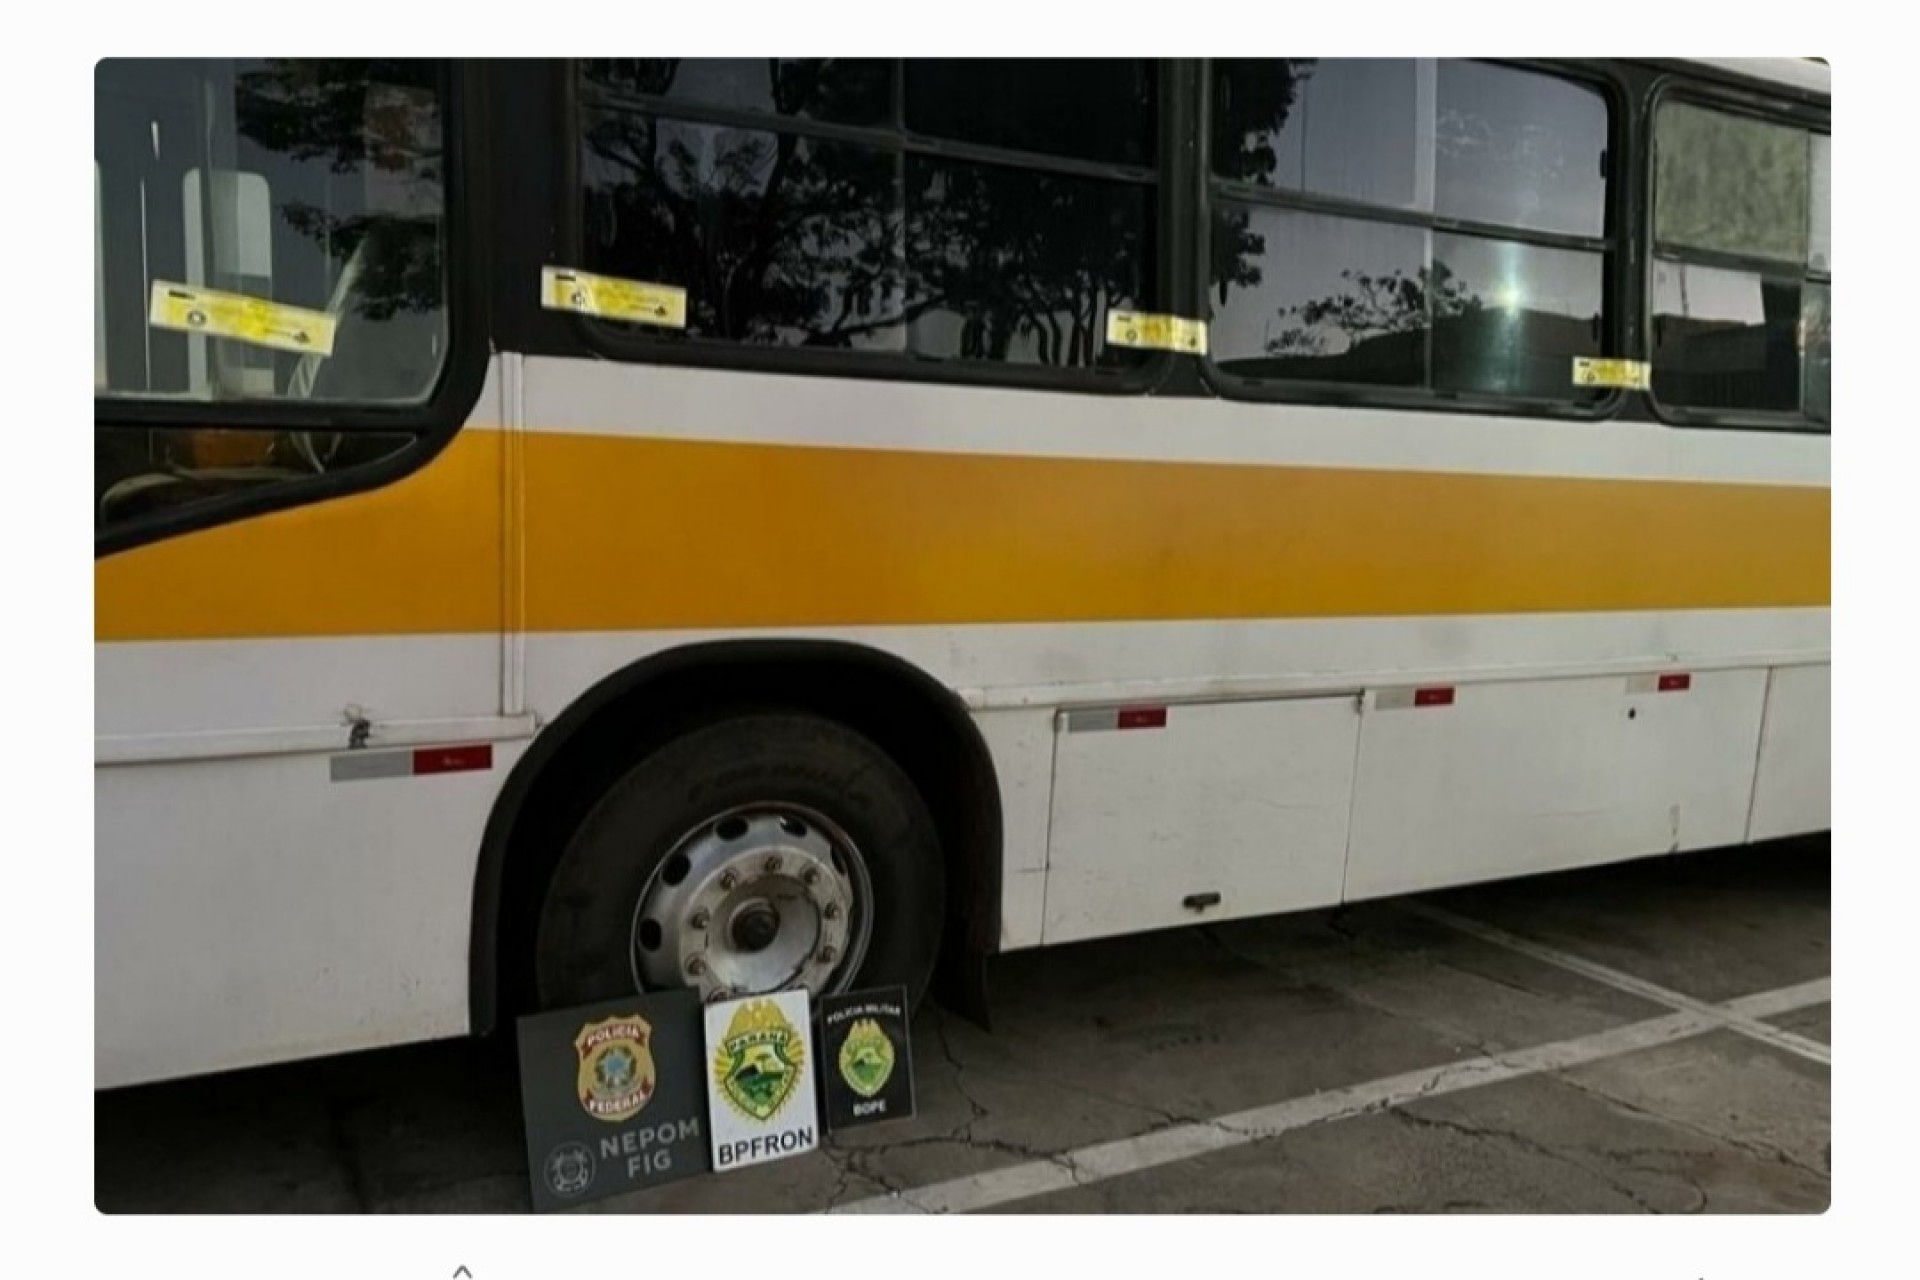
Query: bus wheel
{"type": "Point", "coordinates": [762, 852]}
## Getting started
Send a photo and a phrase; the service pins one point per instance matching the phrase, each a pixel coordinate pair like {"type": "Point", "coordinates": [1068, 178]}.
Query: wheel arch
{"type": "Point", "coordinates": [908, 713]}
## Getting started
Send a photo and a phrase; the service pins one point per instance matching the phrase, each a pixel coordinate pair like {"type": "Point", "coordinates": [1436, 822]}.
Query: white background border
{"type": "Point", "coordinates": [49, 942]}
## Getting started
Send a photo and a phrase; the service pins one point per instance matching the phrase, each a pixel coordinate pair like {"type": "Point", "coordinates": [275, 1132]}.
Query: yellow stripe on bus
{"type": "Point", "coordinates": [419, 556]}
{"type": "Point", "coordinates": [638, 534]}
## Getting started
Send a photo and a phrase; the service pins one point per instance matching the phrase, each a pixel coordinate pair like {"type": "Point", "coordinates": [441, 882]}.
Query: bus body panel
{"type": "Point", "coordinates": [1165, 815]}
{"type": "Point", "coordinates": [1507, 777]}
{"type": "Point", "coordinates": [1793, 794]}
{"type": "Point", "coordinates": [260, 912]}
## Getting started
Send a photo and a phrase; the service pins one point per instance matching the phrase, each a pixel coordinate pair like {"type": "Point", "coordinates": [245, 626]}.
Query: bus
{"type": "Point", "coordinates": [571, 527]}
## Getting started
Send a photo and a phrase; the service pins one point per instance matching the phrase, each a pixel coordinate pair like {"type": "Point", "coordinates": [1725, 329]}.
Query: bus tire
{"type": "Point", "coordinates": [764, 850]}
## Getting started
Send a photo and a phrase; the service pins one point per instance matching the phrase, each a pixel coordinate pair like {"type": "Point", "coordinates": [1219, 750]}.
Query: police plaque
{"type": "Point", "coordinates": [760, 1066]}
{"type": "Point", "coordinates": [613, 1097]}
{"type": "Point", "coordinates": [866, 1057]}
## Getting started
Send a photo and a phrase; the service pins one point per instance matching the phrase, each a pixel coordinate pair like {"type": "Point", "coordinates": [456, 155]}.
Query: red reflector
{"type": "Point", "coordinates": [1675, 683]}
{"type": "Point", "coordinates": [453, 759]}
{"type": "Point", "coordinates": [1437, 696]}
{"type": "Point", "coordinates": [1142, 718]}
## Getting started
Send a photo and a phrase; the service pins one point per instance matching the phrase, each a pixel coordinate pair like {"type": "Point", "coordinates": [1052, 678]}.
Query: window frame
{"type": "Point", "coordinates": [432, 423]}
{"type": "Point", "coordinates": [635, 344]}
{"type": "Point", "coordinates": [1779, 109]}
{"type": "Point", "coordinates": [1613, 246]}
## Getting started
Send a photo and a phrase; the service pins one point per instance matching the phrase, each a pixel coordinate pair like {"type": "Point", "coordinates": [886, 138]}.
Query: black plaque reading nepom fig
{"type": "Point", "coordinates": [614, 1096]}
{"type": "Point", "coordinates": [866, 1058]}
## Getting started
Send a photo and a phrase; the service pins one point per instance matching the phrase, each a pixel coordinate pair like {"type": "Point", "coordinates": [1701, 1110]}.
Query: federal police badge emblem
{"type": "Point", "coordinates": [866, 1059]}
{"type": "Point", "coordinates": [757, 1065]}
{"type": "Point", "coordinates": [616, 1067]}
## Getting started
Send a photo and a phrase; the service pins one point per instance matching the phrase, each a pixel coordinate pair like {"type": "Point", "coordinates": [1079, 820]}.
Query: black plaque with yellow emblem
{"type": "Point", "coordinates": [866, 1059]}
{"type": "Point", "coordinates": [614, 1096]}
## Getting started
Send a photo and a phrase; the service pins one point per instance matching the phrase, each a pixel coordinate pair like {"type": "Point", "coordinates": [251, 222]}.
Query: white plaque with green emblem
{"type": "Point", "coordinates": [760, 1083]}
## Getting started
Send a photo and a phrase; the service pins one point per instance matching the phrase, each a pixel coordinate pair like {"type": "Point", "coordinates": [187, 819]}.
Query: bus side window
{"type": "Point", "coordinates": [878, 234]}
{"type": "Point", "coordinates": [297, 186]}
{"type": "Point", "coordinates": [312, 185]}
{"type": "Point", "coordinates": [1428, 225]}
{"type": "Point", "coordinates": [1741, 264]}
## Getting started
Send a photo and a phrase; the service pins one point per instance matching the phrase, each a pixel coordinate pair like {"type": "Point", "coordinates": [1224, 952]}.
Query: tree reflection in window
{"type": "Point", "coordinates": [784, 237]}
{"type": "Point", "coordinates": [379, 120]}
{"type": "Point", "coordinates": [1016, 265]}
{"type": "Point", "coordinates": [1376, 305]}
{"type": "Point", "coordinates": [777, 238]}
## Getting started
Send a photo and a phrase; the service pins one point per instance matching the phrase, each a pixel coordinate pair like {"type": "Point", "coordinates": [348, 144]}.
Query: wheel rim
{"type": "Point", "coordinates": [764, 897]}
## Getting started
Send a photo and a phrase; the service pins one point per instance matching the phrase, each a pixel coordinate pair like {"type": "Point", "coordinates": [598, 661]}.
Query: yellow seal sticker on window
{"type": "Point", "coordinates": [261, 321]}
{"type": "Point", "coordinates": [1589, 371]}
{"type": "Point", "coordinates": [610, 298]}
{"type": "Point", "coordinates": [1156, 332]}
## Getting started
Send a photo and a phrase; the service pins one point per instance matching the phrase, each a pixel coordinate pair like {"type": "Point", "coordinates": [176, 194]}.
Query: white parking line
{"type": "Point", "coordinates": [1097, 1163]}
{"type": "Point", "coordinates": [1771, 1004]}
{"type": "Point", "coordinates": [1745, 1024]}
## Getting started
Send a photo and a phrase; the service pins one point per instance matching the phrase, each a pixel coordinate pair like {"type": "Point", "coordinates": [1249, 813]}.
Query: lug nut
{"type": "Point", "coordinates": [810, 877]}
{"type": "Point", "coordinates": [696, 966]}
{"type": "Point", "coordinates": [772, 863]}
{"type": "Point", "coordinates": [827, 954]}
{"type": "Point", "coordinates": [831, 911]}
{"type": "Point", "coordinates": [729, 879]}
{"type": "Point", "coordinates": [720, 993]}
{"type": "Point", "coordinates": [700, 919]}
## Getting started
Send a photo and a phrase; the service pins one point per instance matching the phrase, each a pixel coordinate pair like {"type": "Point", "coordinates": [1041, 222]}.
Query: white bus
{"type": "Point", "coordinates": [570, 527]}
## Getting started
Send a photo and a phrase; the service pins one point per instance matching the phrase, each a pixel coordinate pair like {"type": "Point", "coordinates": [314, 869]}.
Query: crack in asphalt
{"type": "Point", "coordinates": [1491, 1133]}
{"type": "Point", "coordinates": [1491, 1061]}
{"type": "Point", "coordinates": [1397, 1104]}
{"type": "Point", "coordinates": [1672, 1163]}
{"type": "Point", "coordinates": [1671, 1160]}
{"type": "Point", "coordinates": [842, 1176]}
{"type": "Point", "coordinates": [1747, 1145]}
{"type": "Point", "coordinates": [859, 1160]}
